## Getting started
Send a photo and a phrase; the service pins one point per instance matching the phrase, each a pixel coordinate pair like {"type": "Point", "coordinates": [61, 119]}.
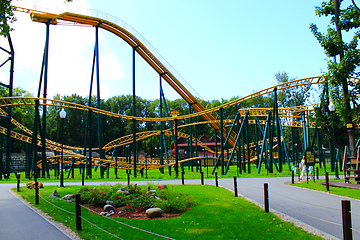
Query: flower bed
{"type": "Point", "coordinates": [130, 199]}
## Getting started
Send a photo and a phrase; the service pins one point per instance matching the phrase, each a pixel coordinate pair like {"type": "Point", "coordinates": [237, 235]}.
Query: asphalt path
{"type": "Point", "coordinates": [318, 210]}
{"type": "Point", "coordinates": [19, 222]}
{"type": "Point", "coordinates": [321, 211]}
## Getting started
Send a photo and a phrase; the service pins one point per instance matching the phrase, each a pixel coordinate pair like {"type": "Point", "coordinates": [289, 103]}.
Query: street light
{"type": "Point", "coordinates": [62, 115]}
{"type": "Point", "coordinates": [332, 110]}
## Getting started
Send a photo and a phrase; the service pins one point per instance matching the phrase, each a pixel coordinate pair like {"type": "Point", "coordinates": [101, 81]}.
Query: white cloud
{"type": "Point", "coordinates": [70, 54]}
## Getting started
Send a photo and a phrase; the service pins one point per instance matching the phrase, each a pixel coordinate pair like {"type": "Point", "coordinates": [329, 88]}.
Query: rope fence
{"type": "Point", "coordinates": [88, 221]}
{"type": "Point", "coordinates": [346, 211]}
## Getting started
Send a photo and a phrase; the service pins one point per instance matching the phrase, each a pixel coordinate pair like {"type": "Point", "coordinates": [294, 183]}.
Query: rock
{"type": "Point", "coordinates": [109, 202]}
{"type": "Point", "coordinates": [68, 197]}
{"type": "Point", "coordinates": [31, 185]}
{"type": "Point", "coordinates": [107, 213]}
{"type": "Point", "coordinates": [154, 212]}
{"type": "Point", "coordinates": [108, 207]}
{"type": "Point", "coordinates": [126, 192]}
{"type": "Point", "coordinates": [111, 212]}
{"type": "Point", "coordinates": [55, 194]}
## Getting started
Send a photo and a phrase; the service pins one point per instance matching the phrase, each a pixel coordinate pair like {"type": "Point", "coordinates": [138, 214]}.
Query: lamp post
{"type": "Point", "coordinates": [62, 115]}
{"type": "Point", "coordinates": [332, 110]}
{"type": "Point", "coordinates": [146, 165]}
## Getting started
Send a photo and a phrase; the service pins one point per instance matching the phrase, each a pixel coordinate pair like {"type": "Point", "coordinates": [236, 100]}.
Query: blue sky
{"type": "Point", "coordinates": [222, 48]}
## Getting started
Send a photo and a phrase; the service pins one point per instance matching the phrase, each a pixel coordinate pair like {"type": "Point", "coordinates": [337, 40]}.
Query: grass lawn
{"type": "Point", "coordinates": [156, 175]}
{"type": "Point", "coordinates": [346, 192]}
{"type": "Point", "coordinates": [217, 215]}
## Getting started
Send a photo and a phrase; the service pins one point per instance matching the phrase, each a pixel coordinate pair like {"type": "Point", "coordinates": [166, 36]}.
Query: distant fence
{"type": "Point", "coordinates": [18, 161]}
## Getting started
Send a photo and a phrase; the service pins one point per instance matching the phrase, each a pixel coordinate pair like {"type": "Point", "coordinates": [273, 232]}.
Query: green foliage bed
{"type": "Point", "coordinates": [217, 215]}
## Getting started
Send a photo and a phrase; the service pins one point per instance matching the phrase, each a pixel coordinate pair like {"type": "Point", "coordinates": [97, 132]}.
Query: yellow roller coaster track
{"type": "Point", "coordinates": [147, 52]}
{"type": "Point", "coordinates": [144, 50]}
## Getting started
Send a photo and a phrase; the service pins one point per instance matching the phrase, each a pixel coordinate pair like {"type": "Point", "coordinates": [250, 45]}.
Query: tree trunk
{"type": "Point", "coordinates": [344, 84]}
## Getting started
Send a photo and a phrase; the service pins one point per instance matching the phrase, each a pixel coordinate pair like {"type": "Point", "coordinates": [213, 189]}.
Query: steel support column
{"type": "Point", "coordinates": [278, 133]}
{"type": "Point", "coordinates": [8, 135]}
{"type": "Point", "coordinates": [161, 155]}
{"type": "Point", "coordinates": [134, 111]}
{"type": "Point", "coordinates": [97, 64]}
{"type": "Point", "coordinates": [222, 141]}
{"type": "Point", "coordinates": [44, 112]}
{"type": "Point", "coordinates": [176, 149]}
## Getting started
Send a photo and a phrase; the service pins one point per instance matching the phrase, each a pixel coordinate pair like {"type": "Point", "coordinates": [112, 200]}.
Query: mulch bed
{"type": "Point", "coordinates": [133, 215]}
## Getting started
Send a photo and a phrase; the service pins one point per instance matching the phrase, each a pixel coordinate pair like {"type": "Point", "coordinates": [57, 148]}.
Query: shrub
{"type": "Point", "coordinates": [95, 196]}
{"type": "Point", "coordinates": [171, 201]}
{"type": "Point", "coordinates": [139, 203]}
{"type": "Point", "coordinates": [119, 199]}
{"type": "Point", "coordinates": [138, 199]}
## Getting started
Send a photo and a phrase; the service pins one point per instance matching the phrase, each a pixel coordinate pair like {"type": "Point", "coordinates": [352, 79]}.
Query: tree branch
{"type": "Point", "coordinates": [358, 9]}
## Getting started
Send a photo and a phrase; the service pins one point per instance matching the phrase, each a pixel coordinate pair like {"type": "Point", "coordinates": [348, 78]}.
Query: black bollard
{"type": "Point", "coordinates": [317, 172]}
{"type": "Point", "coordinates": [78, 211]}
{"type": "Point", "coordinates": [327, 181]}
{"type": "Point", "coordinates": [235, 187]}
{"type": "Point", "coordinates": [182, 178]}
{"type": "Point", "coordinates": [346, 219]}
{"type": "Point", "coordinates": [18, 182]}
{"type": "Point", "coordinates": [202, 178]}
{"type": "Point", "coordinates": [292, 177]}
{"type": "Point", "coordinates": [36, 189]}
{"type": "Point", "coordinates": [216, 179]}
{"type": "Point", "coordinates": [128, 178]}
{"type": "Point", "coordinates": [83, 176]}
{"type": "Point", "coordinates": [266, 197]}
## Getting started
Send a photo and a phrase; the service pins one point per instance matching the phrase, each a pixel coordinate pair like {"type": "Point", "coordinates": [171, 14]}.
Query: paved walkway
{"type": "Point", "coordinates": [317, 209]}
{"type": "Point", "coordinates": [19, 222]}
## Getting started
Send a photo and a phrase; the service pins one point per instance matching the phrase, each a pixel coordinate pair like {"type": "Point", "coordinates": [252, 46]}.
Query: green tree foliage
{"type": "Point", "coordinates": [114, 128]}
{"type": "Point", "coordinates": [6, 16]}
{"type": "Point", "coordinates": [23, 114]}
{"type": "Point", "coordinates": [342, 21]}
{"type": "Point", "coordinates": [290, 97]}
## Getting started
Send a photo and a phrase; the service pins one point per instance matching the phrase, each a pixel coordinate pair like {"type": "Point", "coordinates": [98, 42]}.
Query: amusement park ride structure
{"type": "Point", "coordinates": [262, 143]}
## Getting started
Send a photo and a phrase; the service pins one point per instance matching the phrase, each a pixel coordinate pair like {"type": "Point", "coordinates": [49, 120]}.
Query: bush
{"type": "Point", "coordinates": [138, 199]}
{"type": "Point", "coordinates": [139, 203]}
{"type": "Point", "coordinates": [171, 201]}
{"type": "Point", "coordinates": [95, 196]}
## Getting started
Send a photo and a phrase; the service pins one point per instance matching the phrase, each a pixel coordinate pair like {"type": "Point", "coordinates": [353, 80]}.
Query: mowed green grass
{"type": "Point", "coordinates": [317, 185]}
{"type": "Point", "coordinates": [217, 215]}
{"type": "Point", "coordinates": [155, 174]}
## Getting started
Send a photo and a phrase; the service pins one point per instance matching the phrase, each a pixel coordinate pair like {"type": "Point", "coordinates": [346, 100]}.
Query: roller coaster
{"type": "Point", "coordinates": [238, 144]}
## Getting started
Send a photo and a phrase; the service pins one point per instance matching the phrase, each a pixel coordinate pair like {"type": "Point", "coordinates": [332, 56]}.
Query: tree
{"type": "Point", "coordinates": [6, 16]}
{"type": "Point", "coordinates": [342, 90]}
{"type": "Point", "coordinates": [290, 97]}
{"type": "Point", "coordinates": [23, 114]}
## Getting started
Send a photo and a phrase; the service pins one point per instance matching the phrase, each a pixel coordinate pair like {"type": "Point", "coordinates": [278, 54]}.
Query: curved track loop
{"type": "Point", "coordinates": [150, 55]}
{"type": "Point", "coordinates": [130, 36]}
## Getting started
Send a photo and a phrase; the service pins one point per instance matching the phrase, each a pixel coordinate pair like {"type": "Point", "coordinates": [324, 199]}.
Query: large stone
{"type": "Point", "coordinates": [55, 194]}
{"type": "Point", "coordinates": [68, 197]}
{"type": "Point", "coordinates": [126, 192]}
{"type": "Point", "coordinates": [108, 207]}
{"type": "Point", "coordinates": [154, 212]}
{"type": "Point", "coordinates": [31, 185]}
